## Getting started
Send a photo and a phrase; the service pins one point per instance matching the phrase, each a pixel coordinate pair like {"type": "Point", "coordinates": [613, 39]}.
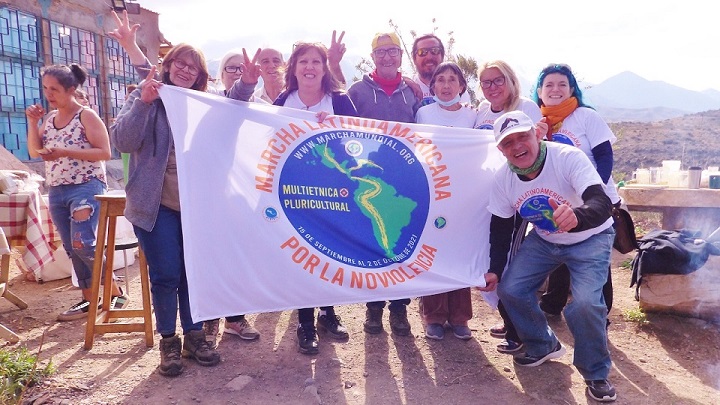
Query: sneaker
{"type": "Point", "coordinates": [601, 390]}
{"type": "Point", "coordinates": [532, 361]}
{"type": "Point", "coordinates": [435, 331]}
{"type": "Point", "coordinates": [196, 347]}
{"type": "Point", "coordinates": [373, 321]}
{"type": "Point", "coordinates": [462, 332]}
{"type": "Point", "coordinates": [211, 329]}
{"type": "Point", "coordinates": [242, 329]}
{"type": "Point", "coordinates": [330, 323]}
{"type": "Point", "coordinates": [119, 301]}
{"type": "Point", "coordinates": [77, 311]}
{"type": "Point", "coordinates": [509, 346]}
{"type": "Point", "coordinates": [170, 361]}
{"type": "Point", "coordinates": [307, 338]}
{"type": "Point", "coordinates": [399, 323]}
{"type": "Point", "coordinates": [498, 331]}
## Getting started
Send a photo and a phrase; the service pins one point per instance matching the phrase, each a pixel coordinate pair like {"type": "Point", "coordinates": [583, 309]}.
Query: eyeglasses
{"type": "Point", "coordinates": [233, 69]}
{"type": "Point", "coordinates": [182, 65]}
{"type": "Point", "coordinates": [435, 50]}
{"type": "Point", "coordinates": [380, 53]}
{"type": "Point", "coordinates": [498, 81]}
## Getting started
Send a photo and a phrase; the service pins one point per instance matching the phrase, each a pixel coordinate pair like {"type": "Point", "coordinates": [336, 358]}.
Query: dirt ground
{"type": "Point", "coordinates": [671, 360]}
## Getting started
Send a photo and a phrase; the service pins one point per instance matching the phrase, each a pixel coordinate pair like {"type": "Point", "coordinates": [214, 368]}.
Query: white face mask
{"type": "Point", "coordinates": [447, 103]}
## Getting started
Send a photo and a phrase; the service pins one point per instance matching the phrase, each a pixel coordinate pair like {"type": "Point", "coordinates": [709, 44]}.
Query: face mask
{"type": "Point", "coordinates": [447, 103]}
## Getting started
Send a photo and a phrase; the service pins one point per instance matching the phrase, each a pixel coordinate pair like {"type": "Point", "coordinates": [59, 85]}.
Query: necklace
{"type": "Point", "coordinates": [535, 166]}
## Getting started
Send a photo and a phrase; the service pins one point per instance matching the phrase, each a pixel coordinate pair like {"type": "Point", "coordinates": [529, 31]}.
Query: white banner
{"type": "Point", "coordinates": [282, 212]}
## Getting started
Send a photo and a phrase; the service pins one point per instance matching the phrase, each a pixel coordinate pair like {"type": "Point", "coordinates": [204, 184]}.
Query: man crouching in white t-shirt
{"type": "Point", "coordinates": [555, 187]}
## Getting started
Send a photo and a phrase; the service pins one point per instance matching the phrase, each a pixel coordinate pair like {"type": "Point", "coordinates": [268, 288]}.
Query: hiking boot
{"type": "Point", "coordinates": [532, 361]}
{"type": "Point", "coordinates": [509, 346]}
{"type": "Point", "coordinates": [211, 328]}
{"type": "Point", "coordinates": [330, 323]}
{"type": "Point", "coordinates": [196, 347]}
{"type": "Point", "coordinates": [435, 331]}
{"type": "Point", "coordinates": [399, 323]}
{"type": "Point", "coordinates": [462, 332]}
{"type": "Point", "coordinates": [242, 329]}
{"type": "Point", "coordinates": [373, 321]}
{"type": "Point", "coordinates": [77, 311]}
{"type": "Point", "coordinates": [170, 361]}
{"type": "Point", "coordinates": [307, 338]}
{"type": "Point", "coordinates": [498, 331]}
{"type": "Point", "coordinates": [601, 390]}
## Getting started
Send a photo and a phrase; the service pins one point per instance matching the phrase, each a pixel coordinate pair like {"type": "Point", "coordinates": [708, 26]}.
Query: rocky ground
{"type": "Point", "coordinates": [670, 360]}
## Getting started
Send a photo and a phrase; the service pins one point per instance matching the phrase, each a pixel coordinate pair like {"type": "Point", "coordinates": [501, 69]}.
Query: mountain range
{"type": "Point", "coordinates": [629, 97]}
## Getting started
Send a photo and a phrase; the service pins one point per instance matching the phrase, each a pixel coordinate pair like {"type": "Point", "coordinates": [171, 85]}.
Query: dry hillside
{"type": "Point", "coordinates": [693, 139]}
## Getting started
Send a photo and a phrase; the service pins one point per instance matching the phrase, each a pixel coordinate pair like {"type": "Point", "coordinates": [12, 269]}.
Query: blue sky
{"type": "Point", "coordinates": [675, 42]}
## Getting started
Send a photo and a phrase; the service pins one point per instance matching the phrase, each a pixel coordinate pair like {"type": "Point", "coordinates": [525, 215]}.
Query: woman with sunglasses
{"type": "Point", "coordinates": [501, 89]}
{"type": "Point", "coordinates": [571, 121]}
{"type": "Point", "coordinates": [310, 86]}
{"type": "Point", "coordinates": [153, 201]}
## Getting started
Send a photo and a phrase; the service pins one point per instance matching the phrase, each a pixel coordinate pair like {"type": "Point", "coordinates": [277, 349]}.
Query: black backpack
{"type": "Point", "coordinates": [669, 252]}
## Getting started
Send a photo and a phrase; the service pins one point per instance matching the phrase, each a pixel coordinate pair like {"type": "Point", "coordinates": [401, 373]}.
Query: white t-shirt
{"type": "Point", "coordinates": [436, 115]}
{"type": "Point", "coordinates": [566, 175]}
{"type": "Point", "coordinates": [585, 129]}
{"type": "Point", "coordinates": [325, 104]}
{"type": "Point", "coordinates": [486, 116]}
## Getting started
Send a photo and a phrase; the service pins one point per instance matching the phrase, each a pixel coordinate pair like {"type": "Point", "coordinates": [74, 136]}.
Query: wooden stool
{"type": "Point", "coordinates": [111, 207]}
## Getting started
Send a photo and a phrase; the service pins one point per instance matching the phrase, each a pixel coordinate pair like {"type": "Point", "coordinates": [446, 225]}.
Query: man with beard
{"type": "Point", "coordinates": [428, 52]}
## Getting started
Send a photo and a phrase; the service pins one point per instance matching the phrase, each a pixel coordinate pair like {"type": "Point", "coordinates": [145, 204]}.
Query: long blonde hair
{"type": "Point", "coordinates": [511, 82]}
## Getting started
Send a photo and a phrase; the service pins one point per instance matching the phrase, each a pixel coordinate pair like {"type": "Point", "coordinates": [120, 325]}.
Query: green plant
{"type": "Point", "coordinates": [18, 371]}
{"type": "Point", "coordinates": [625, 264]}
{"type": "Point", "coordinates": [635, 315]}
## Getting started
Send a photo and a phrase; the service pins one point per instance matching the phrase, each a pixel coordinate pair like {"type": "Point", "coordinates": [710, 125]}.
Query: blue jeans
{"type": "Point", "coordinates": [163, 248]}
{"type": "Point", "coordinates": [78, 237]}
{"type": "Point", "coordinates": [588, 262]}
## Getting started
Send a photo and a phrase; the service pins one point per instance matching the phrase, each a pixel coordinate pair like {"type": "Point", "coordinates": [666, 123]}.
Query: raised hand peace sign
{"type": "Point", "coordinates": [251, 72]}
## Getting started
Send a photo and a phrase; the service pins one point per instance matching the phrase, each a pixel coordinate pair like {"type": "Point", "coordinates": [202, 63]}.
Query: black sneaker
{"type": "Point", "coordinates": [77, 311]}
{"type": "Point", "coordinates": [498, 331]}
{"type": "Point", "coordinates": [601, 390]}
{"type": "Point", "coordinates": [532, 361]}
{"type": "Point", "coordinates": [509, 346]}
{"type": "Point", "coordinates": [330, 323]}
{"type": "Point", "coordinates": [307, 338]}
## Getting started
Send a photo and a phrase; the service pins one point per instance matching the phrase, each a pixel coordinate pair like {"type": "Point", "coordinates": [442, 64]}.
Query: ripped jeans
{"type": "Point", "coordinates": [78, 237]}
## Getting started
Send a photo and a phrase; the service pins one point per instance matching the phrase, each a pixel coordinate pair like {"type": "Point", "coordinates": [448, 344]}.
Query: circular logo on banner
{"type": "Point", "coordinates": [359, 198]}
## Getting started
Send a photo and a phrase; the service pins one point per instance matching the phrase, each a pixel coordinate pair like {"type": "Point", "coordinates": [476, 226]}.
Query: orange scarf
{"type": "Point", "coordinates": [555, 114]}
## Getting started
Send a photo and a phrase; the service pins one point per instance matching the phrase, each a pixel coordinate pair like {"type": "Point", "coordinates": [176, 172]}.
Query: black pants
{"type": "Point", "coordinates": [553, 301]}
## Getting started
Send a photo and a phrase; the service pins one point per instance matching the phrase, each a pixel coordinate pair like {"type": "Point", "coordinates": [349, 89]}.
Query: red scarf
{"type": "Point", "coordinates": [555, 114]}
{"type": "Point", "coordinates": [387, 85]}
